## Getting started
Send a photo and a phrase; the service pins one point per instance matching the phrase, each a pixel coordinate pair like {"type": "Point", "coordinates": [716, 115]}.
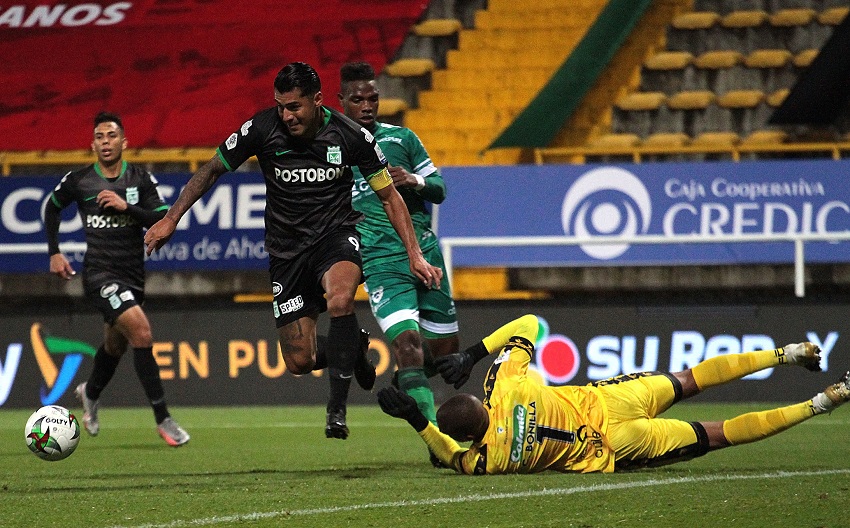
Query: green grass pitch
{"type": "Point", "coordinates": [272, 466]}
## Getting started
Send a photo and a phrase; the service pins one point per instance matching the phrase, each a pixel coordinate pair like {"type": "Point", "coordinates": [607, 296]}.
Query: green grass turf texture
{"type": "Point", "coordinates": [272, 466]}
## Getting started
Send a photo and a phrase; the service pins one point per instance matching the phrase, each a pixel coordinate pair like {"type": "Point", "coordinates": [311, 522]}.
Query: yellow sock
{"type": "Point", "coordinates": [758, 425]}
{"type": "Point", "coordinates": [722, 369]}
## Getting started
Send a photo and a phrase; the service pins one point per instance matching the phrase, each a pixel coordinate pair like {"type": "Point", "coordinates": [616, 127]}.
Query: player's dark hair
{"type": "Point", "coordinates": [298, 75]}
{"type": "Point", "coordinates": [108, 117]}
{"type": "Point", "coordinates": [460, 417]}
{"type": "Point", "coordinates": [356, 71]}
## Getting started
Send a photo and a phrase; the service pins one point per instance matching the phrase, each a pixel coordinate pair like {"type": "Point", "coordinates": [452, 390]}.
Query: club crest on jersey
{"type": "Point", "coordinates": [335, 155]}
{"type": "Point", "coordinates": [132, 195]}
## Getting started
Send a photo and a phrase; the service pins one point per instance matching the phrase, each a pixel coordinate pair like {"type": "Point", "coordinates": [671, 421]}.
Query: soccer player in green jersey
{"type": "Point", "coordinates": [522, 426]}
{"type": "Point", "coordinates": [405, 308]}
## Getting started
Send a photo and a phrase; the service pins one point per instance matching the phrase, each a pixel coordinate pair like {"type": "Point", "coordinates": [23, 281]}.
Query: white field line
{"type": "Point", "coordinates": [285, 514]}
{"type": "Point", "coordinates": [396, 424]}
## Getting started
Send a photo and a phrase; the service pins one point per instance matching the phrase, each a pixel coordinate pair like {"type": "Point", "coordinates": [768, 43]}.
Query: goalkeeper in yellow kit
{"type": "Point", "coordinates": [522, 426]}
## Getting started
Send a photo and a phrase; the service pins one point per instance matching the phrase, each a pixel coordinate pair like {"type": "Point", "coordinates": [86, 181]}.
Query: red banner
{"type": "Point", "coordinates": [181, 73]}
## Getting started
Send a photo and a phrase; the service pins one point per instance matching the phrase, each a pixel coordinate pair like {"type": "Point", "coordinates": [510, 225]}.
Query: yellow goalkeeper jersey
{"type": "Point", "coordinates": [533, 427]}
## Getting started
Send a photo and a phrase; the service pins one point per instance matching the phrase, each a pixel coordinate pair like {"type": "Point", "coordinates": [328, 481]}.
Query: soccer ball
{"type": "Point", "coordinates": [52, 433]}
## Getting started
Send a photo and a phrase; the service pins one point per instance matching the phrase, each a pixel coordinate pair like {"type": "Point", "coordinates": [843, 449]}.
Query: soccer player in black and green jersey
{"type": "Point", "coordinates": [115, 201]}
{"type": "Point", "coordinates": [406, 310]}
{"type": "Point", "coordinates": [306, 152]}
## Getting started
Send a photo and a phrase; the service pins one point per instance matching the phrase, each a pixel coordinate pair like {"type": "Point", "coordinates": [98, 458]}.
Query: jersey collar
{"type": "Point", "coordinates": [99, 173]}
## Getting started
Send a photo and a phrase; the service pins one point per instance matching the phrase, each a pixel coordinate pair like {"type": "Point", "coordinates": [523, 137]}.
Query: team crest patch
{"type": "Point", "coordinates": [132, 195]}
{"type": "Point", "coordinates": [231, 141]}
{"type": "Point", "coordinates": [335, 155]}
{"type": "Point", "coordinates": [377, 295]}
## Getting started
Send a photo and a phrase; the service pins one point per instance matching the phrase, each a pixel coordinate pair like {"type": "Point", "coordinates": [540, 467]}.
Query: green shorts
{"type": "Point", "coordinates": [400, 301]}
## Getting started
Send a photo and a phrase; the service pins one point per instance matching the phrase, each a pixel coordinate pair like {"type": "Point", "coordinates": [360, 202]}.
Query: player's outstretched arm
{"type": "Point", "coordinates": [456, 368]}
{"type": "Point", "coordinates": [399, 217]}
{"type": "Point", "coordinates": [400, 405]}
{"type": "Point", "coordinates": [198, 184]}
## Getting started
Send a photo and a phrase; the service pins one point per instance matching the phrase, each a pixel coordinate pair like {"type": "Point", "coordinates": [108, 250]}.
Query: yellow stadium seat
{"type": "Point", "coordinates": [615, 141]}
{"type": "Point", "coordinates": [696, 20]}
{"type": "Point", "coordinates": [716, 139]}
{"type": "Point", "coordinates": [666, 140]}
{"type": "Point", "coordinates": [717, 59]}
{"type": "Point", "coordinates": [776, 98]}
{"type": "Point", "coordinates": [411, 67]}
{"type": "Point", "coordinates": [741, 99]}
{"type": "Point", "coordinates": [833, 16]}
{"type": "Point", "coordinates": [744, 19]}
{"type": "Point", "coordinates": [762, 137]}
{"type": "Point", "coordinates": [437, 27]}
{"type": "Point", "coordinates": [805, 58]}
{"type": "Point", "coordinates": [768, 58]}
{"type": "Point", "coordinates": [669, 60]}
{"type": "Point", "coordinates": [390, 106]}
{"type": "Point", "coordinates": [641, 101]}
{"type": "Point", "coordinates": [792, 17]}
{"type": "Point", "coordinates": [691, 100]}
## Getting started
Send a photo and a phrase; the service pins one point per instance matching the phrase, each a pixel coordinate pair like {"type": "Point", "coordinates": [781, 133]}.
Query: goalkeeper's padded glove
{"type": "Point", "coordinates": [401, 405]}
{"type": "Point", "coordinates": [455, 368]}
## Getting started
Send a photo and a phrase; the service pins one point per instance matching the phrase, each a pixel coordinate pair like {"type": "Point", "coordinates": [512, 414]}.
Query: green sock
{"type": "Point", "coordinates": [413, 382]}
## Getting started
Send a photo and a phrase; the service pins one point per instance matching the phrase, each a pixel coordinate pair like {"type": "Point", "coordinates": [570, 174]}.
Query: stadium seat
{"type": "Point", "coordinates": [391, 106]}
{"type": "Point", "coordinates": [804, 58]}
{"type": "Point", "coordinates": [411, 67]}
{"type": "Point", "coordinates": [718, 70]}
{"type": "Point", "coordinates": [742, 110]}
{"type": "Point", "coordinates": [741, 99]}
{"type": "Point", "coordinates": [615, 141]}
{"type": "Point", "coordinates": [665, 71]}
{"type": "Point", "coordinates": [635, 113]}
{"type": "Point", "coordinates": [833, 16]}
{"type": "Point", "coordinates": [744, 19]}
{"type": "Point", "coordinates": [775, 99]}
{"type": "Point", "coordinates": [442, 27]}
{"type": "Point", "coordinates": [409, 77]}
{"type": "Point", "coordinates": [692, 32]}
{"type": "Point", "coordinates": [772, 67]}
{"type": "Point", "coordinates": [691, 100]}
{"type": "Point", "coordinates": [793, 28]}
{"type": "Point", "coordinates": [744, 31]}
{"type": "Point", "coordinates": [764, 137]}
{"type": "Point", "coordinates": [716, 139]}
{"type": "Point", "coordinates": [663, 146]}
{"type": "Point", "coordinates": [435, 37]}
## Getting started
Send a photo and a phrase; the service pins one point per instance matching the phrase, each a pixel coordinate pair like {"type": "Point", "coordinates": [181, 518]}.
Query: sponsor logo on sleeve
{"type": "Point", "coordinates": [246, 126]}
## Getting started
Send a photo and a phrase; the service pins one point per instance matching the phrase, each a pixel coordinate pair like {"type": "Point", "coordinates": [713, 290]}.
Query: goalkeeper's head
{"type": "Point", "coordinates": [463, 417]}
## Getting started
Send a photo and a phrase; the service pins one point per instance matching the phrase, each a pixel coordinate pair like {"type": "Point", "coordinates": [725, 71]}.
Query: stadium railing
{"type": "Point", "coordinates": [799, 239]}
{"type": "Point", "coordinates": [579, 155]}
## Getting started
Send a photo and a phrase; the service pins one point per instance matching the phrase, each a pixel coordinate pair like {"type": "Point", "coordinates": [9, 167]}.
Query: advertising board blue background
{"type": "Point", "coordinates": [670, 199]}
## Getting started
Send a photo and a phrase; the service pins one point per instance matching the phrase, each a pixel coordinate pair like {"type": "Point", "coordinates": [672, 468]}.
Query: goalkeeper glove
{"type": "Point", "coordinates": [401, 405]}
{"type": "Point", "coordinates": [455, 368]}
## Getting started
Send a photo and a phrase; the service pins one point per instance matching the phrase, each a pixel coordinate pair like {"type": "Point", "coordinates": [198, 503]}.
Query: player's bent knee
{"type": "Point", "coordinates": [299, 365]}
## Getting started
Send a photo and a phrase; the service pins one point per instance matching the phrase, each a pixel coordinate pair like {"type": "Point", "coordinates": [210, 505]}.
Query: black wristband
{"type": "Point", "coordinates": [478, 351]}
{"type": "Point", "coordinates": [419, 422]}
